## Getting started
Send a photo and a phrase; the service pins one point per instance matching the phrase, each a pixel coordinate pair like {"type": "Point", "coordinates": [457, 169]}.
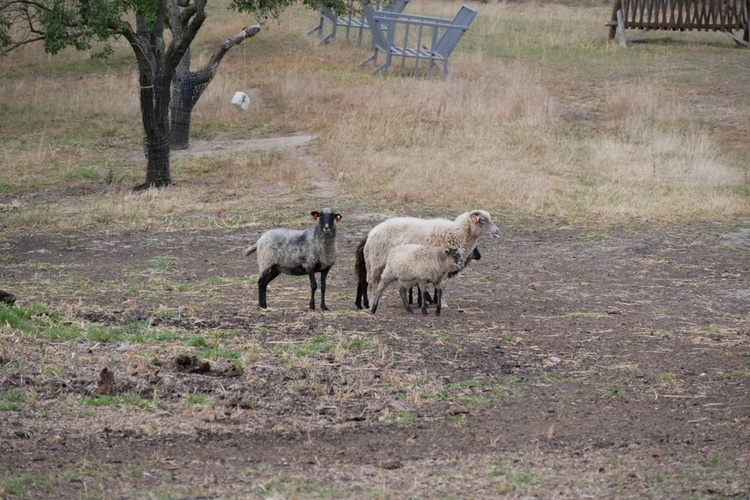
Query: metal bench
{"type": "Point", "coordinates": [353, 21]}
{"type": "Point", "coordinates": [422, 38]}
{"type": "Point", "coordinates": [725, 16]}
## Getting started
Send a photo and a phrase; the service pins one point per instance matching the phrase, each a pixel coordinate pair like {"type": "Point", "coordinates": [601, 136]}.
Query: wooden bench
{"type": "Point", "coordinates": [353, 21]}
{"type": "Point", "coordinates": [726, 16]}
{"type": "Point", "coordinates": [421, 38]}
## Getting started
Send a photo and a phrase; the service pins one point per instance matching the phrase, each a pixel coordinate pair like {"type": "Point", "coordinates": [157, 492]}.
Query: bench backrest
{"type": "Point", "coordinates": [708, 15]}
{"type": "Point", "coordinates": [378, 37]}
{"type": "Point", "coordinates": [353, 17]}
{"type": "Point", "coordinates": [450, 38]}
{"type": "Point", "coordinates": [451, 30]}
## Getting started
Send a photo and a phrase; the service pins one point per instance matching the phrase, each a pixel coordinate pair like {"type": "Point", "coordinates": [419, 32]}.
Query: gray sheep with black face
{"type": "Point", "coordinates": [297, 252]}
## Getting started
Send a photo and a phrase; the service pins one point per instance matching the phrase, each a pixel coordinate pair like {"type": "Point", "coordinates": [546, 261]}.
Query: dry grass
{"type": "Point", "coordinates": [541, 117]}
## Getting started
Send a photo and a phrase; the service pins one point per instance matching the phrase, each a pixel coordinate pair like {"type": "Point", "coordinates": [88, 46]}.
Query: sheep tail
{"type": "Point", "coordinates": [251, 249]}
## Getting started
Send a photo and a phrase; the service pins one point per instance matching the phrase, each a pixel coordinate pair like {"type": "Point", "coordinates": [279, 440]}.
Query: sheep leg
{"type": "Point", "coordinates": [426, 298]}
{"type": "Point", "coordinates": [358, 300]}
{"type": "Point", "coordinates": [362, 296]}
{"type": "Point", "coordinates": [376, 297]}
{"type": "Point", "coordinates": [423, 294]}
{"type": "Point", "coordinates": [313, 287]}
{"type": "Point", "coordinates": [438, 299]}
{"type": "Point", "coordinates": [323, 278]}
{"type": "Point", "coordinates": [405, 299]}
{"type": "Point", "coordinates": [360, 267]}
{"type": "Point", "coordinates": [265, 278]}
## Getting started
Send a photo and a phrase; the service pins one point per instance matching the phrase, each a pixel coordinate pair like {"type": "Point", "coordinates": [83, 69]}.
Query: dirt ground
{"type": "Point", "coordinates": [609, 361]}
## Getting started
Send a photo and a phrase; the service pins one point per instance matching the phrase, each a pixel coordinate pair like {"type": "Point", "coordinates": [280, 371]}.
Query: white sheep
{"type": "Point", "coordinates": [297, 252]}
{"type": "Point", "coordinates": [463, 232]}
{"type": "Point", "coordinates": [411, 265]}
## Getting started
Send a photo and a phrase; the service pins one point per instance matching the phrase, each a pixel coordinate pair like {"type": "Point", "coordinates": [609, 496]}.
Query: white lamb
{"type": "Point", "coordinates": [462, 232]}
{"type": "Point", "coordinates": [413, 265]}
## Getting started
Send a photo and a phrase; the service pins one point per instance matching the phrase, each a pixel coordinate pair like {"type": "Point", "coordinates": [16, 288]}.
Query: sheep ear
{"type": "Point", "coordinates": [314, 215]}
{"type": "Point", "coordinates": [337, 217]}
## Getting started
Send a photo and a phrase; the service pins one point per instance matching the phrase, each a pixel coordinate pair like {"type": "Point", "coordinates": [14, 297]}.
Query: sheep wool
{"type": "Point", "coordinates": [411, 265]}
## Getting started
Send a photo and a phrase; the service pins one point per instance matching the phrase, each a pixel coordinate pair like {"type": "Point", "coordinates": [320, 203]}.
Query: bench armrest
{"type": "Point", "coordinates": [400, 16]}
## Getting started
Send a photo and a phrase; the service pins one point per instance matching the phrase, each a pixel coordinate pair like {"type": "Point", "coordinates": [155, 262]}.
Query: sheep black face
{"type": "Point", "coordinates": [457, 254]}
{"type": "Point", "coordinates": [326, 220]}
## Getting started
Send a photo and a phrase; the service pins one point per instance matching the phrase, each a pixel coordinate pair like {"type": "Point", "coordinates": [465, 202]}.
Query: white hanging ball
{"type": "Point", "coordinates": [241, 101]}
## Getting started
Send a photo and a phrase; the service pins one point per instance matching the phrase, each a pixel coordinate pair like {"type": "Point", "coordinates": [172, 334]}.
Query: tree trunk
{"type": "Point", "coordinates": [189, 86]}
{"type": "Point", "coordinates": [157, 168]}
{"type": "Point", "coordinates": [154, 112]}
{"type": "Point", "coordinates": [181, 106]}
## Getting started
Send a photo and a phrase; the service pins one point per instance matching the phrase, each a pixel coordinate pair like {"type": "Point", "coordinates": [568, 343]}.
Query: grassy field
{"type": "Point", "coordinates": [542, 116]}
{"type": "Point", "coordinates": [599, 349]}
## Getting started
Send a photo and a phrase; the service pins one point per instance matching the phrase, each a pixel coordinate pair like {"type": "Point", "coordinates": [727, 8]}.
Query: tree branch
{"type": "Point", "coordinates": [180, 45]}
{"type": "Point", "coordinates": [230, 42]}
{"type": "Point", "coordinates": [206, 73]}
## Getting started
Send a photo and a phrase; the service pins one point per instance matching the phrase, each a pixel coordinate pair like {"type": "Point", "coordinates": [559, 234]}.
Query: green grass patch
{"type": "Point", "coordinates": [130, 401]}
{"type": "Point", "coordinates": [400, 418]}
{"type": "Point", "coordinates": [196, 399]}
{"type": "Point", "coordinates": [15, 318]}
{"type": "Point", "coordinates": [612, 391]}
{"type": "Point", "coordinates": [37, 319]}
{"type": "Point", "coordinates": [103, 400]}
{"type": "Point", "coordinates": [731, 374]}
{"type": "Point", "coordinates": [318, 344]}
{"type": "Point", "coordinates": [197, 341]}
{"type": "Point", "coordinates": [10, 401]}
{"type": "Point", "coordinates": [716, 460]}
{"type": "Point", "coordinates": [14, 485]}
